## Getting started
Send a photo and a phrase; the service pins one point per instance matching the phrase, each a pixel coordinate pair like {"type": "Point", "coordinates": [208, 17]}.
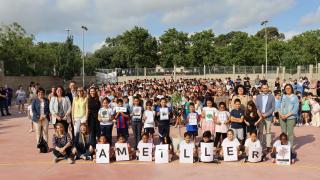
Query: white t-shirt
{"type": "Point", "coordinates": [278, 143]}
{"type": "Point", "coordinates": [233, 143]}
{"type": "Point", "coordinates": [250, 144]}
{"type": "Point", "coordinates": [223, 117]}
{"type": "Point", "coordinates": [149, 122]}
{"type": "Point", "coordinates": [209, 113]}
{"type": "Point", "coordinates": [42, 108]}
{"type": "Point", "coordinates": [105, 114]}
{"type": "Point", "coordinates": [30, 110]}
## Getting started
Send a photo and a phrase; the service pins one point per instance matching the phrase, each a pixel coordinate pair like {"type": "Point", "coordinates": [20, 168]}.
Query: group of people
{"type": "Point", "coordinates": [221, 111]}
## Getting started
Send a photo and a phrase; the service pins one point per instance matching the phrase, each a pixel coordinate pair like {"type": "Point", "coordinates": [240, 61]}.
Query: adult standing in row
{"type": "Point", "coordinates": [93, 109]}
{"type": "Point", "coordinates": [60, 108]}
{"type": "Point", "coordinates": [265, 103]}
{"type": "Point", "coordinates": [242, 95]}
{"type": "Point", "coordinates": [289, 112]}
{"type": "Point", "coordinates": [71, 94]}
{"type": "Point", "coordinates": [79, 110]}
{"type": "Point", "coordinates": [40, 112]}
{"type": "Point", "coordinates": [221, 97]}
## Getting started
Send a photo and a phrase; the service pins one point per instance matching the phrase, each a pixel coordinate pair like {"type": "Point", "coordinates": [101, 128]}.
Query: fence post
{"type": "Point", "coordinates": [262, 70]}
{"type": "Point", "coordinates": [204, 71]}
{"type": "Point", "coordinates": [310, 71]}
{"type": "Point", "coordinates": [318, 70]}
{"type": "Point", "coordinates": [278, 69]}
{"type": "Point", "coordinates": [1, 69]}
{"type": "Point", "coordinates": [283, 72]}
{"type": "Point", "coordinates": [298, 72]}
{"type": "Point", "coordinates": [174, 72]}
{"type": "Point", "coordinates": [234, 71]}
{"type": "Point", "coordinates": [145, 72]}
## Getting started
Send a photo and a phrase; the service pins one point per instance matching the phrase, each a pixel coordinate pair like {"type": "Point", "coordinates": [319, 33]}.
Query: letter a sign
{"type": "Point", "coordinates": [102, 153]}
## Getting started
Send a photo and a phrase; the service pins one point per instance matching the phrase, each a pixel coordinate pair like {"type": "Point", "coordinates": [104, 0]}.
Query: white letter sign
{"type": "Point", "coordinates": [102, 153]}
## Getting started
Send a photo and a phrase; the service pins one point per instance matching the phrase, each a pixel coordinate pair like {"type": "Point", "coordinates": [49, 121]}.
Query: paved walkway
{"type": "Point", "coordinates": [20, 160]}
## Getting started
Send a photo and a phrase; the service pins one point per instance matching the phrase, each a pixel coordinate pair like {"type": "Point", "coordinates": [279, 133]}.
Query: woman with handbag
{"type": "Point", "coordinates": [40, 115]}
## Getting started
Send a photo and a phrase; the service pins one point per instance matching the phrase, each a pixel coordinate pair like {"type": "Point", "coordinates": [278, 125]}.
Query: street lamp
{"type": "Point", "coordinates": [266, 39]}
{"type": "Point", "coordinates": [84, 28]}
{"type": "Point", "coordinates": [68, 31]}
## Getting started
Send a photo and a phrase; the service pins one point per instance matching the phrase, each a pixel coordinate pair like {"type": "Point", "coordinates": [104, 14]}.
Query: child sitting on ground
{"type": "Point", "coordinates": [186, 141]}
{"type": "Point", "coordinates": [145, 139]}
{"type": "Point", "coordinates": [283, 140]}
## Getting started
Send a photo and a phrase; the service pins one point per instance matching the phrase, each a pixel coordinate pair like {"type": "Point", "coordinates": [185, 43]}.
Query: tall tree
{"type": "Point", "coordinates": [173, 48]}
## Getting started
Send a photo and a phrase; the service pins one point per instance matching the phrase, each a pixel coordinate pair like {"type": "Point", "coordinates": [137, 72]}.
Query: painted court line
{"type": "Point", "coordinates": [238, 164]}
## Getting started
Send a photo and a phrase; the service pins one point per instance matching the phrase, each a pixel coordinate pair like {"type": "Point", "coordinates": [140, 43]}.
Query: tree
{"type": "Point", "coordinates": [201, 50]}
{"type": "Point", "coordinates": [272, 33]}
{"type": "Point", "coordinates": [15, 49]}
{"type": "Point", "coordinates": [173, 48]}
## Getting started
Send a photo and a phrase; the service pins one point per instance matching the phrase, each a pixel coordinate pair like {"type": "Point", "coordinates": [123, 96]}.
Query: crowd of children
{"type": "Point", "coordinates": [211, 107]}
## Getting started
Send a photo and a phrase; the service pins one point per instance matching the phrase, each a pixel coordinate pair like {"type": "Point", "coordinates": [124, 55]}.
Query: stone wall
{"type": "Point", "coordinates": [45, 81]}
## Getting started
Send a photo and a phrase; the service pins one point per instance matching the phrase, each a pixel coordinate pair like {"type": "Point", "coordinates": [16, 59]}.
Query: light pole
{"type": "Point", "coordinates": [266, 39]}
{"type": "Point", "coordinates": [84, 28]}
{"type": "Point", "coordinates": [68, 31]}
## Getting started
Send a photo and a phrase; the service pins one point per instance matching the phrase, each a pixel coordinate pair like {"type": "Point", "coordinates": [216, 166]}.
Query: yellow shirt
{"type": "Point", "coordinates": [80, 105]}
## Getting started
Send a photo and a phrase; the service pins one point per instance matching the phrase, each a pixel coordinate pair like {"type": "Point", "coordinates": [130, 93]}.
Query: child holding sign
{"type": "Point", "coordinates": [253, 143]}
{"type": "Point", "coordinates": [136, 120]}
{"type": "Point", "coordinates": [122, 119]}
{"type": "Point", "coordinates": [230, 147]}
{"type": "Point", "coordinates": [222, 119]}
{"type": "Point", "coordinates": [148, 119]}
{"type": "Point", "coordinates": [105, 116]}
{"type": "Point", "coordinates": [208, 113]}
{"type": "Point", "coordinates": [283, 140]}
{"type": "Point", "coordinates": [237, 117]}
{"type": "Point", "coordinates": [145, 140]}
{"type": "Point", "coordinates": [167, 140]}
{"type": "Point", "coordinates": [123, 140]}
{"type": "Point", "coordinates": [206, 138]}
{"type": "Point", "coordinates": [103, 140]}
{"type": "Point", "coordinates": [164, 114]}
{"type": "Point", "coordinates": [187, 141]}
{"type": "Point", "coordinates": [192, 122]}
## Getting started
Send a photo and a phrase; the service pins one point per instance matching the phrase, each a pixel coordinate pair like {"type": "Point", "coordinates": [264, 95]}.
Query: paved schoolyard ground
{"type": "Point", "coordinates": [20, 160]}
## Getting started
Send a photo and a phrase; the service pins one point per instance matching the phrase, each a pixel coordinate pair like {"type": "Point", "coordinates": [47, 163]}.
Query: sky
{"type": "Point", "coordinates": [49, 19]}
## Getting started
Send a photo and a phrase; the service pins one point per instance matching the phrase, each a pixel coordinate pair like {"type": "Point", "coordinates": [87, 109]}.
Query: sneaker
{"type": "Point", "coordinates": [55, 160]}
{"type": "Point", "coordinates": [70, 161]}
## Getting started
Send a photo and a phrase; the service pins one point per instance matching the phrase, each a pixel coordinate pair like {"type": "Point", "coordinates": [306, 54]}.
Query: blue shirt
{"type": "Point", "coordinates": [237, 113]}
{"type": "Point", "coordinates": [290, 104]}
